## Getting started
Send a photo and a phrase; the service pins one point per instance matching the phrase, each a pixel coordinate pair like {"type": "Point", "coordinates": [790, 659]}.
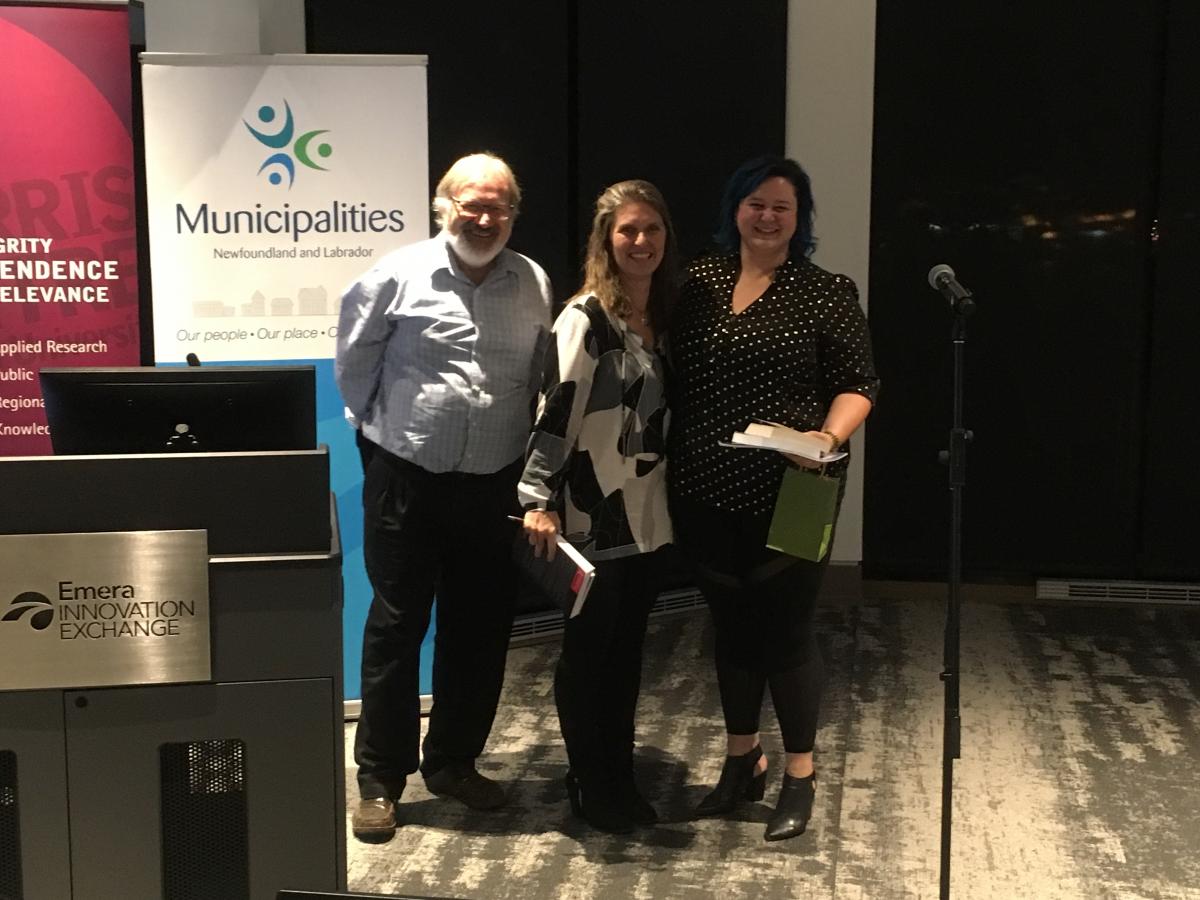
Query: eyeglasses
{"type": "Point", "coordinates": [500, 212]}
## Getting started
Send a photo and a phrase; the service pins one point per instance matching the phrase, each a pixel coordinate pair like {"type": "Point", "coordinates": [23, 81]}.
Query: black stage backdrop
{"type": "Point", "coordinates": [497, 81]}
{"type": "Point", "coordinates": [1021, 145]}
{"type": "Point", "coordinates": [679, 95]}
{"type": "Point", "coordinates": [578, 95]}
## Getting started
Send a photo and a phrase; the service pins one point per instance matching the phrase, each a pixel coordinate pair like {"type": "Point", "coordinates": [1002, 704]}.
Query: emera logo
{"type": "Point", "coordinates": [281, 139]}
{"type": "Point", "coordinates": [31, 601]}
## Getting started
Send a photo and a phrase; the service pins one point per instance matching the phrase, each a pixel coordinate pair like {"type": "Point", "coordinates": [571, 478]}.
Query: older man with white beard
{"type": "Point", "coordinates": [438, 361]}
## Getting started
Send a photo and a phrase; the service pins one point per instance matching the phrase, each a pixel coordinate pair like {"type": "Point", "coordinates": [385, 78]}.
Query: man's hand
{"type": "Point", "coordinates": [541, 527]}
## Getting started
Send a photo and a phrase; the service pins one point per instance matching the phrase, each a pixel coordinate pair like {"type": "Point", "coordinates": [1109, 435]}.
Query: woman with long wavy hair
{"type": "Point", "coordinates": [595, 473]}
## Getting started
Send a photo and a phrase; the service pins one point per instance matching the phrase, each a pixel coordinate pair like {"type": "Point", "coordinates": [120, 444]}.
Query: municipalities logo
{"type": "Point", "coordinates": [36, 606]}
{"type": "Point", "coordinates": [281, 141]}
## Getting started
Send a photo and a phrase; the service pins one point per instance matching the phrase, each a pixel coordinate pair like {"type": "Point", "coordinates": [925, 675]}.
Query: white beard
{"type": "Point", "coordinates": [472, 256]}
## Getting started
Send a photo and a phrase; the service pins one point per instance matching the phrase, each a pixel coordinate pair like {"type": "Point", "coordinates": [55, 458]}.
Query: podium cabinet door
{"type": "Point", "coordinates": [34, 834]}
{"type": "Point", "coordinates": [190, 792]}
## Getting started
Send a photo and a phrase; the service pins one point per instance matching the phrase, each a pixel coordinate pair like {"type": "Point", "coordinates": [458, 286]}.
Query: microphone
{"type": "Point", "coordinates": [193, 360]}
{"type": "Point", "coordinates": [942, 280]}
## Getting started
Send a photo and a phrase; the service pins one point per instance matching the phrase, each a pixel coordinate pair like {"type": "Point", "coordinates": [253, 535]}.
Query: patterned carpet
{"type": "Point", "coordinates": [1077, 779]}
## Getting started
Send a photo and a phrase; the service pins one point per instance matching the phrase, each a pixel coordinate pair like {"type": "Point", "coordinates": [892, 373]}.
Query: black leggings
{"type": "Point", "coordinates": [763, 605]}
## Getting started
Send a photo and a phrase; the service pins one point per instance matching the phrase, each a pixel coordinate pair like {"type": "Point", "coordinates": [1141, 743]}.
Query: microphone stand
{"type": "Point", "coordinates": [956, 459]}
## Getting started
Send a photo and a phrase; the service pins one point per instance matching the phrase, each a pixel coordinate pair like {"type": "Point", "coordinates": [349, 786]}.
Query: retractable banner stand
{"type": "Point", "coordinates": [273, 182]}
{"type": "Point", "coordinates": [68, 257]}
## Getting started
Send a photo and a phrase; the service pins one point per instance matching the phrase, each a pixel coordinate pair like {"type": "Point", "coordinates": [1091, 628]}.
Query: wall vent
{"type": "Point", "coordinates": [529, 628]}
{"type": "Point", "coordinates": [679, 601]}
{"type": "Point", "coordinates": [534, 627]}
{"type": "Point", "coordinates": [1153, 592]}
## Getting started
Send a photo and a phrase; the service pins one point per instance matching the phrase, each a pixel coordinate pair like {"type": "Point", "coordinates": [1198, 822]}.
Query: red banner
{"type": "Point", "coordinates": [68, 251]}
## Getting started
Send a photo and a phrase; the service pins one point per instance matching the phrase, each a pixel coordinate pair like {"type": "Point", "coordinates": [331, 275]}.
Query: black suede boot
{"type": "Point", "coordinates": [636, 806]}
{"type": "Point", "coordinates": [598, 804]}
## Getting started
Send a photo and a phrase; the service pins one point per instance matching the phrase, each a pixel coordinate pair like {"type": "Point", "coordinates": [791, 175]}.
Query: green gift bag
{"type": "Point", "coordinates": [804, 514]}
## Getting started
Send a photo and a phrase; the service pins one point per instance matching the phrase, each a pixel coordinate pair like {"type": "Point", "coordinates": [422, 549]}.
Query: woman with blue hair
{"type": "Point", "coordinates": [761, 333]}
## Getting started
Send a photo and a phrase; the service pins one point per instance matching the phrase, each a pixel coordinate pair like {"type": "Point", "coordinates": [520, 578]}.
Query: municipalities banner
{"type": "Point", "coordinates": [68, 249]}
{"type": "Point", "coordinates": [273, 182]}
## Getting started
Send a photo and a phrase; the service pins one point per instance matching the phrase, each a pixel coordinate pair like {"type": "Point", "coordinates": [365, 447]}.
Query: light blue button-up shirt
{"type": "Point", "coordinates": [438, 370]}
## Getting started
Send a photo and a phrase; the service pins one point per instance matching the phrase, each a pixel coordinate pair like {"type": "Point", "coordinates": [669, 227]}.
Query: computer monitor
{"type": "Point", "coordinates": [180, 410]}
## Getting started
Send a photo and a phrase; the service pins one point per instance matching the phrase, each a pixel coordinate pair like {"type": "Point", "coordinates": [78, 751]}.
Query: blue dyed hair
{"type": "Point", "coordinates": [743, 183]}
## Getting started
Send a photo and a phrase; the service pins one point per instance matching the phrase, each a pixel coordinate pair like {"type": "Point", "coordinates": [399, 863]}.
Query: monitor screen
{"type": "Point", "coordinates": [202, 409]}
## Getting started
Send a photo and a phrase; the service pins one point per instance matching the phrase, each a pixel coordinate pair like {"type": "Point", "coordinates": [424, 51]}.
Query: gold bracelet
{"type": "Point", "coordinates": [837, 441]}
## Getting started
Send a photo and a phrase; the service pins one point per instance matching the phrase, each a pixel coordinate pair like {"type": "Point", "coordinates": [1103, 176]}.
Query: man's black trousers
{"type": "Point", "coordinates": [429, 534]}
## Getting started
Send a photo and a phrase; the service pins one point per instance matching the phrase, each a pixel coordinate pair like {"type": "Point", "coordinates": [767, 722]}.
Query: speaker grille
{"type": "Point", "coordinates": [10, 829]}
{"type": "Point", "coordinates": [205, 836]}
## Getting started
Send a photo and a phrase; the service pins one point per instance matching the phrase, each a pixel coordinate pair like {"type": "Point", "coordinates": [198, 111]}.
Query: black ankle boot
{"type": "Point", "coordinates": [598, 805]}
{"type": "Point", "coordinates": [636, 806]}
{"type": "Point", "coordinates": [572, 784]}
{"type": "Point", "coordinates": [794, 808]}
{"type": "Point", "coordinates": [737, 783]}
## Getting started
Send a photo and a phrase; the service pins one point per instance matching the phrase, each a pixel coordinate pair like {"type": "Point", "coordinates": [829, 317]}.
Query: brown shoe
{"type": "Point", "coordinates": [374, 820]}
{"type": "Point", "coordinates": [463, 782]}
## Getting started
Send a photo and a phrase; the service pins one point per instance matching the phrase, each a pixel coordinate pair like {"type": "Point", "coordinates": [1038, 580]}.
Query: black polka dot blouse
{"type": "Point", "coordinates": [782, 359]}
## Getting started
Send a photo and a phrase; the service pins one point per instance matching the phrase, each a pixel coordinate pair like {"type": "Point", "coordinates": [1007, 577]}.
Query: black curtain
{"type": "Point", "coordinates": [578, 95]}
{"type": "Point", "coordinates": [1020, 144]}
